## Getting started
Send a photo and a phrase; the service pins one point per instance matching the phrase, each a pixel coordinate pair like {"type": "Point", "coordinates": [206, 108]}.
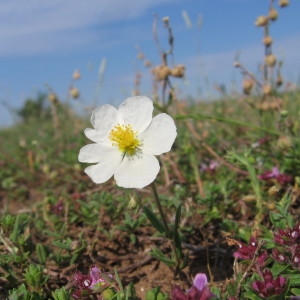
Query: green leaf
{"type": "Point", "coordinates": [61, 294]}
{"type": "Point", "coordinates": [117, 277]}
{"type": "Point", "coordinates": [294, 279]}
{"type": "Point", "coordinates": [251, 296]}
{"type": "Point", "coordinates": [20, 293]}
{"type": "Point", "coordinates": [41, 253]}
{"type": "Point", "coordinates": [154, 220]}
{"type": "Point", "coordinates": [15, 233]}
{"type": "Point", "coordinates": [295, 291]}
{"type": "Point", "coordinates": [177, 218]}
{"type": "Point", "coordinates": [34, 276]}
{"type": "Point", "coordinates": [61, 245]}
{"type": "Point", "coordinates": [177, 242]}
{"type": "Point", "coordinates": [130, 292]}
{"type": "Point", "coordinates": [73, 258]}
{"type": "Point", "coordinates": [162, 257]}
{"type": "Point", "coordinates": [278, 268]}
{"type": "Point", "coordinates": [156, 294]}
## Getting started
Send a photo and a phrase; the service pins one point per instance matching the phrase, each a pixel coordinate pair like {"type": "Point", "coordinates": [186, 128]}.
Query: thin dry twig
{"type": "Point", "coordinates": [222, 160]}
{"type": "Point", "coordinates": [175, 168]}
{"type": "Point", "coordinates": [238, 290]}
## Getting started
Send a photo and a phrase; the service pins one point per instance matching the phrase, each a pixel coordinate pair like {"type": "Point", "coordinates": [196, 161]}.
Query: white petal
{"type": "Point", "coordinates": [104, 118]}
{"type": "Point", "coordinates": [105, 169]}
{"type": "Point", "coordinates": [137, 172]}
{"type": "Point", "coordinates": [94, 153]}
{"type": "Point", "coordinates": [160, 135]}
{"type": "Point", "coordinates": [94, 135]}
{"type": "Point", "coordinates": [137, 111]}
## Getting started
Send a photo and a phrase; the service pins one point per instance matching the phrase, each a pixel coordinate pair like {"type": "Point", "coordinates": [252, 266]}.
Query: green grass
{"type": "Point", "coordinates": [52, 216]}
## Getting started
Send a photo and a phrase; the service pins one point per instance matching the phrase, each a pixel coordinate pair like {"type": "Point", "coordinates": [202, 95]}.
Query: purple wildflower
{"type": "Point", "coordinates": [95, 274]}
{"type": "Point", "coordinates": [85, 285]}
{"type": "Point", "coordinates": [210, 168]}
{"type": "Point", "coordinates": [199, 290]}
{"type": "Point", "coordinates": [82, 285]}
{"type": "Point", "coordinates": [261, 142]}
{"type": "Point", "coordinates": [246, 251]}
{"type": "Point", "coordinates": [279, 256]}
{"type": "Point", "coordinates": [269, 286]}
{"type": "Point", "coordinates": [289, 236]}
{"type": "Point", "coordinates": [275, 174]}
{"type": "Point", "coordinates": [58, 207]}
{"type": "Point", "coordinates": [295, 256]}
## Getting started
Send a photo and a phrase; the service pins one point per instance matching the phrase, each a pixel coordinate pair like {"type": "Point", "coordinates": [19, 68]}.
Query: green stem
{"type": "Point", "coordinates": [244, 160]}
{"type": "Point", "coordinates": [161, 212]}
{"type": "Point", "coordinates": [168, 232]}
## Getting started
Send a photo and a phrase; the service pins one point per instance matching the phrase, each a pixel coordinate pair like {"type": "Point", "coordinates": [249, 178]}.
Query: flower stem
{"type": "Point", "coordinates": [168, 233]}
{"type": "Point", "coordinates": [161, 212]}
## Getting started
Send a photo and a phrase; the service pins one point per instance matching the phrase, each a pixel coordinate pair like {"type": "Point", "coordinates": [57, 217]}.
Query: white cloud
{"type": "Point", "coordinates": [34, 26]}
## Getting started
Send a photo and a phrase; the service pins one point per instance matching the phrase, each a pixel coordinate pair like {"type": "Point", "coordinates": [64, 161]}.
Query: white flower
{"type": "Point", "coordinates": [126, 141]}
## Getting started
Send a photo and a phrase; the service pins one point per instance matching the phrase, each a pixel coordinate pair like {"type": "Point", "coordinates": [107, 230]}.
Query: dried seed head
{"type": "Point", "coordinates": [267, 89]}
{"type": "Point", "coordinates": [273, 14]}
{"type": "Point", "coordinates": [279, 81]}
{"type": "Point", "coordinates": [236, 64]}
{"type": "Point", "coordinates": [74, 92]}
{"type": "Point", "coordinates": [161, 72]}
{"type": "Point", "coordinates": [261, 21]}
{"type": "Point", "coordinates": [52, 98]}
{"type": "Point", "coordinates": [178, 71]}
{"type": "Point", "coordinates": [284, 3]}
{"type": "Point", "coordinates": [276, 104]}
{"type": "Point", "coordinates": [267, 40]}
{"type": "Point", "coordinates": [263, 106]}
{"type": "Point", "coordinates": [284, 142]}
{"type": "Point", "coordinates": [247, 86]}
{"type": "Point", "coordinates": [273, 190]}
{"type": "Point", "coordinates": [76, 75]}
{"type": "Point", "coordinates": [270, 60]}
{"type": "Point", "coordinates": [166, 20]}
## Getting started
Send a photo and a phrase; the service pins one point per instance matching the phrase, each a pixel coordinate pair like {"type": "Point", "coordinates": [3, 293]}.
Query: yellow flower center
{"type": "Point", "coordinates": [125, 139]}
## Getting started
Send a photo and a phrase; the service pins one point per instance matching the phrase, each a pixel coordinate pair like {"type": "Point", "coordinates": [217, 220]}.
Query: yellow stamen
{"type": "Point", "coordinates": [125, 139]}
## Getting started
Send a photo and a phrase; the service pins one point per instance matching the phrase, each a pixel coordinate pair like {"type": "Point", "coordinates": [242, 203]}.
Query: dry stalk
{"type": "Point", "coordinates": [212, 152]}
{"type": "Point", "coordinates": [52, 98]}
{"type": "Point", "coordinates": [254, 259]}
{"type": "Point", "coordinates": [163, 72]}
{"type": "Point", "coordinates": [270, 60]}
{"type": "Point", "coordinates": [165, 170]}
{"type": "Point", "coordinates": [175, 167]}
{"type": "Point", "coordinates": [222, 160]}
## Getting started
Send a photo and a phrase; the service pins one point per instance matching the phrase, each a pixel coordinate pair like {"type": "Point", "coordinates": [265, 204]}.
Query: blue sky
{"type": "Point", "coordinates": [43, 42]}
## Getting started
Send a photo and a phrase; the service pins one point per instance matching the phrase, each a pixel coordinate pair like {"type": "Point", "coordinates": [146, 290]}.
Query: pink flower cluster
{"type": "Point", "coordinates": [85, 285]}
{"type": "Point", "coordinates": [247, 252]}
{"type": "Point", "coordinates": [288, 241]}
{"type": "Point", "coordinates": [287, 251]}
{"type": "Point", "coordinates": [276, 175]}
{"type": "Point", "coordinates": [269, 286]}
